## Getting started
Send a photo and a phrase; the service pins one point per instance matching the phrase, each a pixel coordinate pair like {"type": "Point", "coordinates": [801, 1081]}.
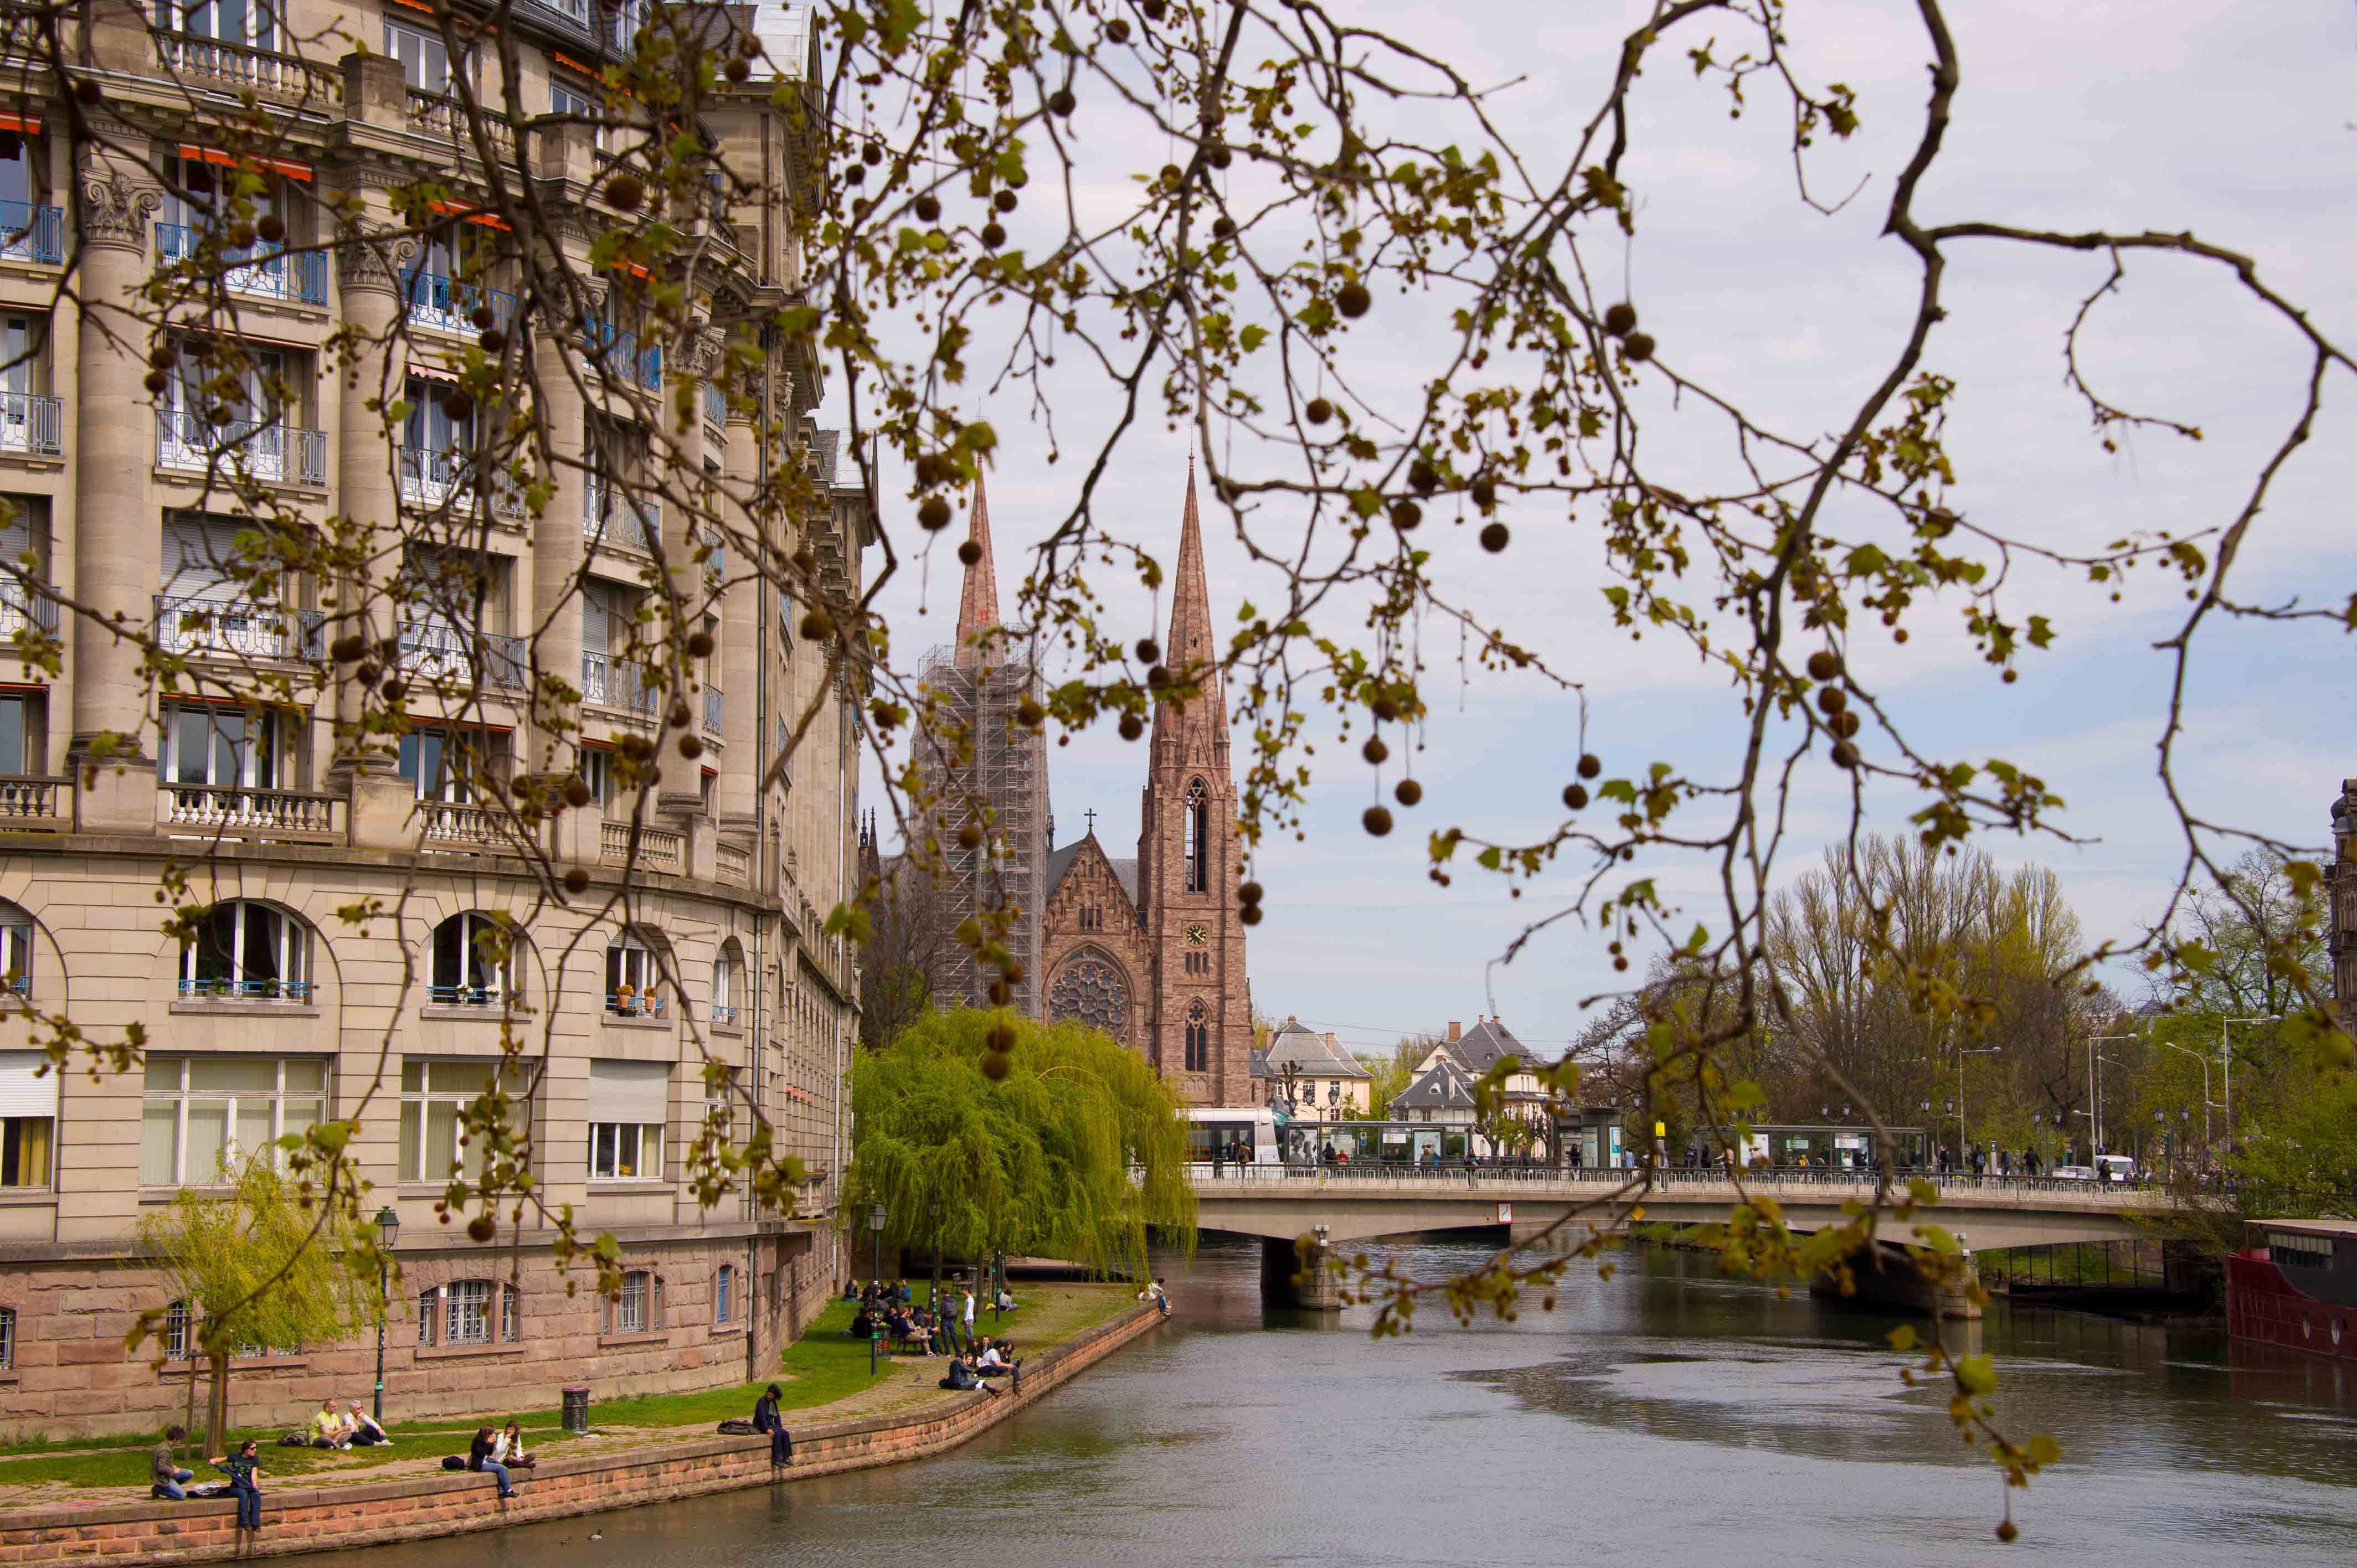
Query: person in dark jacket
{"type": "Point", "coordinates": [766, 1419]}
{"type": "Point", "coordinates": [243, 1469]}
{"type": "Point", "coordinates": [478, 1457]}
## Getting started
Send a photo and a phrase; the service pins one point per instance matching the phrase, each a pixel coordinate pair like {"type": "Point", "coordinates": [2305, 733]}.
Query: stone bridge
{"type": "Point", "coordinates": [1282, 1204]}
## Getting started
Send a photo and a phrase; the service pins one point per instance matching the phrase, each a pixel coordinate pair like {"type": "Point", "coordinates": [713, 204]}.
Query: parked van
{"type": "Point", "coordinates": [2115, 1168]}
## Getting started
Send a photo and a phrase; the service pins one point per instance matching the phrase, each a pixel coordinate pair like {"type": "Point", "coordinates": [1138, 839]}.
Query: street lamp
{"type": "Point", "coordinates": [2094, 1095]}
{"type": "Point", "coordinates": [2208, 1105]}
{"type": "Point", "coordinates": [388, 1230]}
{"type": "Point", "coordinates": [875, 1330]}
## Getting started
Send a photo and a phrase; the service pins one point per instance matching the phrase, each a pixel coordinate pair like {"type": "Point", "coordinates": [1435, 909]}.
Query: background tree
{"type": "Point", "coordinates": [912, 952]}
{"type": "Point", "coordinates": [258, 1266]}
{"type": "Point", "coordinates": [1033, 1158]}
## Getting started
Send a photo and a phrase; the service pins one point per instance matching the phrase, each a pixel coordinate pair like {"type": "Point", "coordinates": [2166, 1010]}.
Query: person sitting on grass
{"type": "Point", "coordinates": [862, 1325]}
{"type": "Point", "coordinates": [362, 1428]}
{"type": "Point", "coordinates": [508, 1448]}
{"type": "Point", "coordinates": [1006, 1302]}
{"type": "Point", "coordinates": [244, 1469]}
{"type": "Point", "coordinates": [327, 1430]}
{"type": "Point", "coordinates": [170, 1480]}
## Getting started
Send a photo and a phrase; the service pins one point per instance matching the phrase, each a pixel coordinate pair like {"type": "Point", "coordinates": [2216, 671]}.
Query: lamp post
{"type": "Point", "coordinates": [2208, 1105]}
{"type": "Point", "coordinates": [2094, 1095]}
{"type": "Point", "coordinates": [875, 1230]}
{"type": "Point", "coordinates": [388, 1229]}
{"type": "Point", "coordinates": [2226, 1068]}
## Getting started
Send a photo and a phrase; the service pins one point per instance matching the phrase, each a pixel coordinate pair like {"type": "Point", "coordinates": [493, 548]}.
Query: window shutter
{"type": "Point", "coordinates": [594, 618]}
{"type": "Point", "coordinates": [629, 1091]}
{"type": "Point", "coordinates": [22, 1092]}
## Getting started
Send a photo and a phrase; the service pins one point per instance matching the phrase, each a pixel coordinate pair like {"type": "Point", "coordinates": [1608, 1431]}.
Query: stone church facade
{"type": "Point", "coordinates": [1149, 947]}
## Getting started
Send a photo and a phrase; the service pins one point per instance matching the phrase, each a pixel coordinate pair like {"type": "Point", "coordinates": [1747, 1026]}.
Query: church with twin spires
{"type": "Point", "coordinates": [1147, 946]}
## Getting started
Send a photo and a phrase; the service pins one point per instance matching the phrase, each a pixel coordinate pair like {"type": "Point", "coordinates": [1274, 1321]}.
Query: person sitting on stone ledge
{"type": "Point", "coordinates": [362, 1429]}
{"type": "Point", "coordinates": [170, 1480]}
{"type": "Point", "coordinates": [965, 1377]}
{"type": "Point", "coordinates": [997, 1360]}
{"type": "Point", "coordinates": [479, 1458]}
{"type": "Point", "coordinates": [508, 1447]}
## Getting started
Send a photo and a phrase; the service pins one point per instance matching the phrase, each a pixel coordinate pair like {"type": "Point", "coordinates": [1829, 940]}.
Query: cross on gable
{"type": "Point", "coordinates": [1091, 815]}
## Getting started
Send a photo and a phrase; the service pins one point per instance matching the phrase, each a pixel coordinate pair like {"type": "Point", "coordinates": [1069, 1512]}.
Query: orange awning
{"type": "Point", "coordinates": [460, 209]}
{"type": "Point", "coordinates": [291, 169]}
{"type": "Point", "coordinates": [30, 124]}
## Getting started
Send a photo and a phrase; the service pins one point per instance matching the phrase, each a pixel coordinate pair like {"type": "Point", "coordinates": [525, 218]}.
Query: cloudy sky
{"type": "Point", "coordinates": [2235, 122]}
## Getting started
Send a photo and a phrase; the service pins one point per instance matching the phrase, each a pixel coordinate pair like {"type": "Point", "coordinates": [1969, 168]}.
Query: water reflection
{"type": "Point", "coordinates": [1665, 1413]}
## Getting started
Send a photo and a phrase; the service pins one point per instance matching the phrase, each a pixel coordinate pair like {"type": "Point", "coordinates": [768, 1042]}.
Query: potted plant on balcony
{"type": "Point", "coordinates": [626, 1000]}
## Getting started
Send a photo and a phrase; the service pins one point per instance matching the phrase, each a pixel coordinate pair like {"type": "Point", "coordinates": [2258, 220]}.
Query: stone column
{"type": "Point", "coordinates": [557, 547]}
{"type": "Point", "coordinates": [751, 605]}
{"type": "Point", "coordinates": [367, 276]}
{"type": "Point", "coordinates": [118, 537]}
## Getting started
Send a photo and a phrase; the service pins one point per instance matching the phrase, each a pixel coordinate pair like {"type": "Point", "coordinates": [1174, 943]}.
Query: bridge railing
{"type": "Point", "coordinates": [1211, 1179]}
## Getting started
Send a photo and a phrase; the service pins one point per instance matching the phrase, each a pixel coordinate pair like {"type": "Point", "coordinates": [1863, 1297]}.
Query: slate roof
{"type": "Point", "coordinates": [1445, 1087]}
{"type": "Point", "coordinates": [1060, 861]}
{"type": "Point", "coordinates": [1485, 1042]}
{"type": "Point", "coordinates": [1307, 1051]}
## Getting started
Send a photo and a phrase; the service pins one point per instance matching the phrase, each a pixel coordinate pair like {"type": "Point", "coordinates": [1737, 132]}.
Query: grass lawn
{"type": "Point", "coordinates": [824, 1368]}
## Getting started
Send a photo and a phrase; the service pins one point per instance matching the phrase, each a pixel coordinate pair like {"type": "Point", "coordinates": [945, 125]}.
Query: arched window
{"type": "Point", "coordinates": [15, 951]}
{"type": "Point", "coordinates": [474, 959]}
{"type": "Point", "coordinates": [637, 1307]}
{"type": "Point", "coordinates": [248, 951]}
{"type": "Point", "coordinates": [469, 1312]}
{"type": "Point", "coordinates": [728, 967]}
{"type": "Point", "coordinates": [1088, 987]}
{"type": "Point", "coordinates": [632, 978]}
{"type": "Point", "coordinates": [1197, 818]}
{"type": "Point", "coordinates": [1199, 1039]}
{"type": "Point", "coordinates": [724, 1292]}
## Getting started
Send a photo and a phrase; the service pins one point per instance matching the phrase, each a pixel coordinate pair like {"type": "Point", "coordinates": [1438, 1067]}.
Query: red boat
{"type": "Point", "coordinates": [2297, 1287]}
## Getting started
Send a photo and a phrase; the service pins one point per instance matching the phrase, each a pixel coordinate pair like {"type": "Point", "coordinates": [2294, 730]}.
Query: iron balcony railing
{"type": "Point", "coordinates": [449, 304]}
{"type": "Point", "coordinates": [431, 479]}
{"type": "Point", "coordinates": [439, 652]}
{"type": "Point", "coordinates": [715, 706]}
{"type": "Point", "coordinates": [617, 520]}
{"type": "Point", "coordinates": [722, 1014]}
{"type": "Point", "coordinates": [299, 275]}
{"type": "Point", "coordinates": [32, 233]}
{"type": "Point", "coordinates": [616, 682]}
{"type": "Point", "coordinates": [715, 405]}
{"type": "Point", "coordinates": [257, 449]}
{"type": "Point", "coordinates": [464, 996]}
{"type": "Point", "coordinates": [618, 352]}
{"type": "Point", "coordinates": [32, 423]}
{"type": "Point", "coordinates": [236, 628]}
{"type": "Point", "coordinates": [212, 63]}
{"type": "Point", "coordinates": [248, 990]}
{"type": "Point", "coordinates": [21, 606]}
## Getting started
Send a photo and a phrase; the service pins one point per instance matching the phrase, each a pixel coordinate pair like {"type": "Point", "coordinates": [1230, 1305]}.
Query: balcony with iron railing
{"type": "Point", "coordinates": [30, 232]}
{"type": "Point", "coordinates": [449, 305]}
{"type": "Point", "coordinates": [430, 480]}
{"type": "Point", "coordinates": [297, 275]}
{"type": "Point", "coordinates": [32, 425]}
{"type": "Point", "coordinates": [236, 70]}
{"type": "Point", "coordinates": [245, 990]}
{"type": "Point", "coordinates": [21, 606]}
{"type": "Point", "coordinates": [265, 450]}
{"type": "Point", "coordinates": [714, 710]}
{"type": "Point", "coordinates": [616, 351]}
{"type": "Point", "coordinates": [618, 520]}
{"type": "Point", "coordinates": [235, 811]}
{"type": "Point", "coordinates": [235, 628]}
{"type": "Point", "coordinates": [615, 683]}
{"type": "Point", "coordinates": [453, 656]}
{"type": "Point", "coordinates": [716, 408]}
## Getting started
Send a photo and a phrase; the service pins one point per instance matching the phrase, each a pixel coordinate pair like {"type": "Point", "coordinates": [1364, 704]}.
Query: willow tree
{"type": "Point", "coordinates": [1074, 1153]}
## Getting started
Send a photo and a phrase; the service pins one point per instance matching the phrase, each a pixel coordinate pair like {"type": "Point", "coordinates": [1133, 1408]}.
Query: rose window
{"type": "Point", "coordinates": [1091, 990]}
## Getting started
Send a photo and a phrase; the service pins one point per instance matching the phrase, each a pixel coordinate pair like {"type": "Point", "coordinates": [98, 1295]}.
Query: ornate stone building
{"type": "Point", "coordinates": [1150, 948]}
{"type": "Point", "coordinates": [283, 1014]}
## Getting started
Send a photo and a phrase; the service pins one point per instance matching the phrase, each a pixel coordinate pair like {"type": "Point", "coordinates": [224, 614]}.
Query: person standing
{"type": "Point", "coordinates": [244, 1471]}
{"type": "Point", "coordinates": [766, 1419]}
{"type": "Point", "coordinates": [966, 1306]}
{"type": "Point", "coordinates": [171, 1481]}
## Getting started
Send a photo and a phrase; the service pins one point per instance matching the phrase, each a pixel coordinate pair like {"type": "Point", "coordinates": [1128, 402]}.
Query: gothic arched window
{"type": "Point", "coordinates": [1199, 1039]}
{"type": "Point", "coordinates": [1198, 820]}
{"type": "Point", "coordinates": [1090, 988]}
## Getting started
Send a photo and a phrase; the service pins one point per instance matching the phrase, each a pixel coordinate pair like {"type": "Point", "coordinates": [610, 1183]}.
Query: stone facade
{"type": "Point", "coordinates": [1167, 928]}
{"type": "Point", "coordinates": [723, 875]}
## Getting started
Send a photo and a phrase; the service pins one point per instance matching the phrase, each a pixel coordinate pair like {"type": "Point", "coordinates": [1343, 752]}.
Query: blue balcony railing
{"type": "Point", "coordinates": [32, 233]}
{"type": "Point", "coordinates": [449, 304]}
{"type": "Point", "coordinates": [298, 275]}
{"type": "Point", "coordinates": [464, 995]}
{"type": "Point", "coordinates": [248, 990]}
{"type": "Point", "coordinates": [715, 406]}
{"type": "Point", "coordinates": [723, 1014]}
{"type": "Point", "coordinates": [618, 352]}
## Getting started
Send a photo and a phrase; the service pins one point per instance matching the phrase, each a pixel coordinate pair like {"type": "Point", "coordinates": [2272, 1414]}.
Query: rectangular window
{"type": "Point", "coordinates": [633, 979]}
{"type": "Point", "coordinates": [637, 1307]}
{"type": "Point", "coordinates": [28, 1112]}
{"type": "Point", "coordinates": [445, 764]}
{"type": "Point", "coordinates": [465, 1312]}
{"type": "Point", "coordinates": [723, 1289]}
{"type": "Point", "coordinates": [200, 1115]}
{"type": "Point", "coordinates": [564, 100]}
{"type": "Point", "coordinates": [468, 1319]}
{"type": "Point", "coordinates": [630, 1103]}
{"type": "Point", "coordinates": [425, 59]}
{"type": "Point", "coordinates": [597, 772]}
{"type": "Point", "coordinates": [435, 1094]}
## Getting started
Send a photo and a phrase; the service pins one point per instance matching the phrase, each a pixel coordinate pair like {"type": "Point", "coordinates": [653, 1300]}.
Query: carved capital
{"type": "Point", "coordinates": [116, 213]}
{"type": "Point", "coordinates": [369, 262]}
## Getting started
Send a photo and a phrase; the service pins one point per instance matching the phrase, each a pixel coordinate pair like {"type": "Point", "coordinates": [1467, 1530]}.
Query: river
{"type": "Point", "coordinates": [1663, 1416]}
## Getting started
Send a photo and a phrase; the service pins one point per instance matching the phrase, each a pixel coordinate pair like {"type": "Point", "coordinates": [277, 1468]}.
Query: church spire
{"type": "Point", "coordinates": [978, 605]}
{"type": "Point", "coordinates": [1193, 651]}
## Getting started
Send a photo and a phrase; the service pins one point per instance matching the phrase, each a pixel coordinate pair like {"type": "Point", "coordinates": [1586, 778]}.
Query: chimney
{"type": "Point", "coordinates": [1455, 1031]}
{"type": "Point", "coordinates": [1330, 1045]}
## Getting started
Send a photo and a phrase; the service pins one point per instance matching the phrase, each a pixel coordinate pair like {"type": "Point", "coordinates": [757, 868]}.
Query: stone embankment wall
{"type": "Point", "coordinates": [449, 1503]}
